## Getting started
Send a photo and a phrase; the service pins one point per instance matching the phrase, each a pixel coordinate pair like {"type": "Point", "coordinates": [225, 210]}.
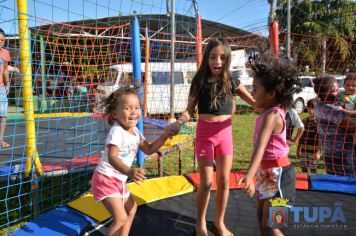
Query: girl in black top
{"type": "Point", "coordinates": [213, 90]}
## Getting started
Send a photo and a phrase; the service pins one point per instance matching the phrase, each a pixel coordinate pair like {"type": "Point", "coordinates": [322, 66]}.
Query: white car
{"type": "Point", "coordinates": [244, 77]}
{"type": "Point", "coordinates": [301, 99]}
{"type": "Point", "coordinates": [340, 79]}
{"type": "Point", "coordinates": [158, 85]}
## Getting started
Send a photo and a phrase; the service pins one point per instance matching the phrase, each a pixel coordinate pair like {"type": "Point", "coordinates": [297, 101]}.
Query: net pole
{"type": "Point", "coordinates": [136, 66]}
{"type": "Point", "coordinates": [274, 37]}
{"type": "Point", "coordinates": [198, 36]}
{"type": "Point", "coordinates": [25, 58]}
{"type": "Point", "coordinates": [147, 60]}
{"type": "Point", "coordinates": [273, 29]}
{"type": "Point", "coordinates": [288, 29]}
{"type": "Point", "coordinates": [199, 41]}
{"type": "Point", "coordinates": [43, 74]}
{"type": "Point", "coordinates": [173, 42]}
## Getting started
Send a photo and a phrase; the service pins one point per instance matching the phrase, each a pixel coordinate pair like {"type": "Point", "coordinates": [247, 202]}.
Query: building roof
{"type": "Point", "coordinates": [154, 22]}
{"type": "Point", "coordinates": [106, 41]}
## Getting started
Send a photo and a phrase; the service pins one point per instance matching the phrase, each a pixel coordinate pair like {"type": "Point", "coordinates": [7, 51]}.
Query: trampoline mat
{"type": "Point", "coordinates": [176, 216]}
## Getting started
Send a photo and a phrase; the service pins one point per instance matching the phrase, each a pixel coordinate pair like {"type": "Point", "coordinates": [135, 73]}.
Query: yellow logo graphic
{"type": "Point", "coordinates": [279, 201]}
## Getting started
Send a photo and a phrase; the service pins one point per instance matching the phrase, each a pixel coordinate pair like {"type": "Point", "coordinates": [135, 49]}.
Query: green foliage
{"type": "Point", "coordinates": [325, 17]}
{"type": "Point", "coordinates": [333, 22]}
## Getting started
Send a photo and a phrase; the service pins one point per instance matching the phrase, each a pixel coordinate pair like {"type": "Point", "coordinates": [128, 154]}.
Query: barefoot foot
{"type": "Point", "coordinates": [4, 144]}
{"type": "Point", "coordinates": [223, 231]}
{"type": "Point", "coordinates": [201, 230]}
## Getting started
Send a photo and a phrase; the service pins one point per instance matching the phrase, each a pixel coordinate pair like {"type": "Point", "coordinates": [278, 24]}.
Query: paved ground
{"type": "Point", "coordinates": [14, 111]}
{"type": "Point", "coordinates": [56, 138]}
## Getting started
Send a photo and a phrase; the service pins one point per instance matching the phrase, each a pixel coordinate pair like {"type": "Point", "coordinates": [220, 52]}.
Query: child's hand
{"type": "Point", "coordinates": [168, 132]}
{"type": "Point", "coordinates": [290, 142]}
{"type": "Point", "coordinates": [249, 185]}
{"type": "Point", "coordinates": [17, 70]}
{"type": "Point", "coordinates": [346, 99]}
{"type": "Point", "coordinates": [173, 128]}
{"type": "Point", "coordinates": [317, 156]}
{"type": "Point", "coordinates": [137, 174]}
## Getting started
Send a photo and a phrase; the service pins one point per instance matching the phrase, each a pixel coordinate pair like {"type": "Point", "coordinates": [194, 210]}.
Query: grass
{"type": "Point", "coordinates": [243, 123]}
{"type": "Point", "coordinates": [242, 128]}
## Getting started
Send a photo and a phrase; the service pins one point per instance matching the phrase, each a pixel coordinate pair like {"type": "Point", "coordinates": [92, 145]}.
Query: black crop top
{"type": "Point", "coordinates": [224, 105]}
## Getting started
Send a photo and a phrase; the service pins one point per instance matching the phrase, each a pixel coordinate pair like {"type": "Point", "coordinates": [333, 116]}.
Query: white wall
{"type": "Point", "coordinates": [238, 60]}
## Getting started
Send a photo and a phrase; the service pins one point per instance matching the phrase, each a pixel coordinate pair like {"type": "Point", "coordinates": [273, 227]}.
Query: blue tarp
{"type": "Point", "coordinates": [156, 122]}
{"type": "Point", "coordinates": [61, 221]}
{"type": "Point", "coordinates": [333, 183]}
{"type": "Point", "coordinates": [11, 170]}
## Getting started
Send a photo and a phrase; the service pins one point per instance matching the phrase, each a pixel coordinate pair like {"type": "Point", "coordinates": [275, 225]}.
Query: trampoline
{"type": "Point", "coordinates": [176, 216]}
{"type": "Point", "coordinates": [167, 207]}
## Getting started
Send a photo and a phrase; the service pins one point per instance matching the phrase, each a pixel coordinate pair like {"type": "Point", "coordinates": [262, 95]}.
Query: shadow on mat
{"type": "Point", "coordinates": [151, 221]}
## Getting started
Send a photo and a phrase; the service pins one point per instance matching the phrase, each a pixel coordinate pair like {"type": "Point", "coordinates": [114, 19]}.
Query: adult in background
{"type": "Point", "coordinates": [308, 150]}
{"type": "Point", "coordinates": [336, 129]}
{"type": "Point", "coordinates": [293, 121]}
{"type": "Point", "coordinates": [4, 87]}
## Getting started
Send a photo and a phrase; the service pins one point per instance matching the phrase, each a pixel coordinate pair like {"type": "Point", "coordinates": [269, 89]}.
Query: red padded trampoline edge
{"type": "Point", "coordinates": [302, 180]}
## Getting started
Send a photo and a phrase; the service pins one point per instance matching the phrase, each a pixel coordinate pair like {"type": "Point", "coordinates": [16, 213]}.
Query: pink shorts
{"type": "Point", "coordinates": [103, 186]}
{"type": "Point", "coordinates": [213, 139]}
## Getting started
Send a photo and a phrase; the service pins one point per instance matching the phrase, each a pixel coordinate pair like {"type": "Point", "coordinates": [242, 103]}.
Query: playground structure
{"type": "Point", "coordinates": [57, 141]}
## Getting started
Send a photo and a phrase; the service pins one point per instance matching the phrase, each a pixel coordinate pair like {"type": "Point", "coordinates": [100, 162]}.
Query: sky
{"type": "Point", "coordinates": [250, 15]}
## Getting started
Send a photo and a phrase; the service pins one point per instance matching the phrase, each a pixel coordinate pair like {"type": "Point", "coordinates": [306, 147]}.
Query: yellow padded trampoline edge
{"type": "Point", "coordinates": [146, 192]}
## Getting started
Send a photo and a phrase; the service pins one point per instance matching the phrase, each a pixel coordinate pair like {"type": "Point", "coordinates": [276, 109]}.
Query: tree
{"type": "Point", "coordinates": [332, 21]}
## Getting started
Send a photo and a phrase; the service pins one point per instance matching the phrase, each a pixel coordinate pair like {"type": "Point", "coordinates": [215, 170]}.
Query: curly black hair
{"type": "Point", "coordinates": [280, 75]}
{"type": "Point", "coordinates": [111, 102]}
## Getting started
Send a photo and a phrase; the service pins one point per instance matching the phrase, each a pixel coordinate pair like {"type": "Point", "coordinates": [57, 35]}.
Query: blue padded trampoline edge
{"type": "Point", "coordinates": [42, 225]}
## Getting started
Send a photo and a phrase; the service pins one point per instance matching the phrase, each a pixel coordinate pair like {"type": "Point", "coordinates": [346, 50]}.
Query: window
{"type": "Point", "coordinates": [241, 73]}
{"type": "Point", "coordinates": [236, 73]}
{"type": "Point", "coordinates": [163, 78]}
{"type": "Point", "coordinates": [340, 82]}
{"type": "Point", "coordinates": [190, 76]}
{"type": "Point", "coordinates": [307, 82]}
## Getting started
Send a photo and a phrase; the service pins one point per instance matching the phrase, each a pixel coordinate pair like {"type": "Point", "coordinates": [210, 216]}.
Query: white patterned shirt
{"type": "Point", "coordinates": [128, 145]}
